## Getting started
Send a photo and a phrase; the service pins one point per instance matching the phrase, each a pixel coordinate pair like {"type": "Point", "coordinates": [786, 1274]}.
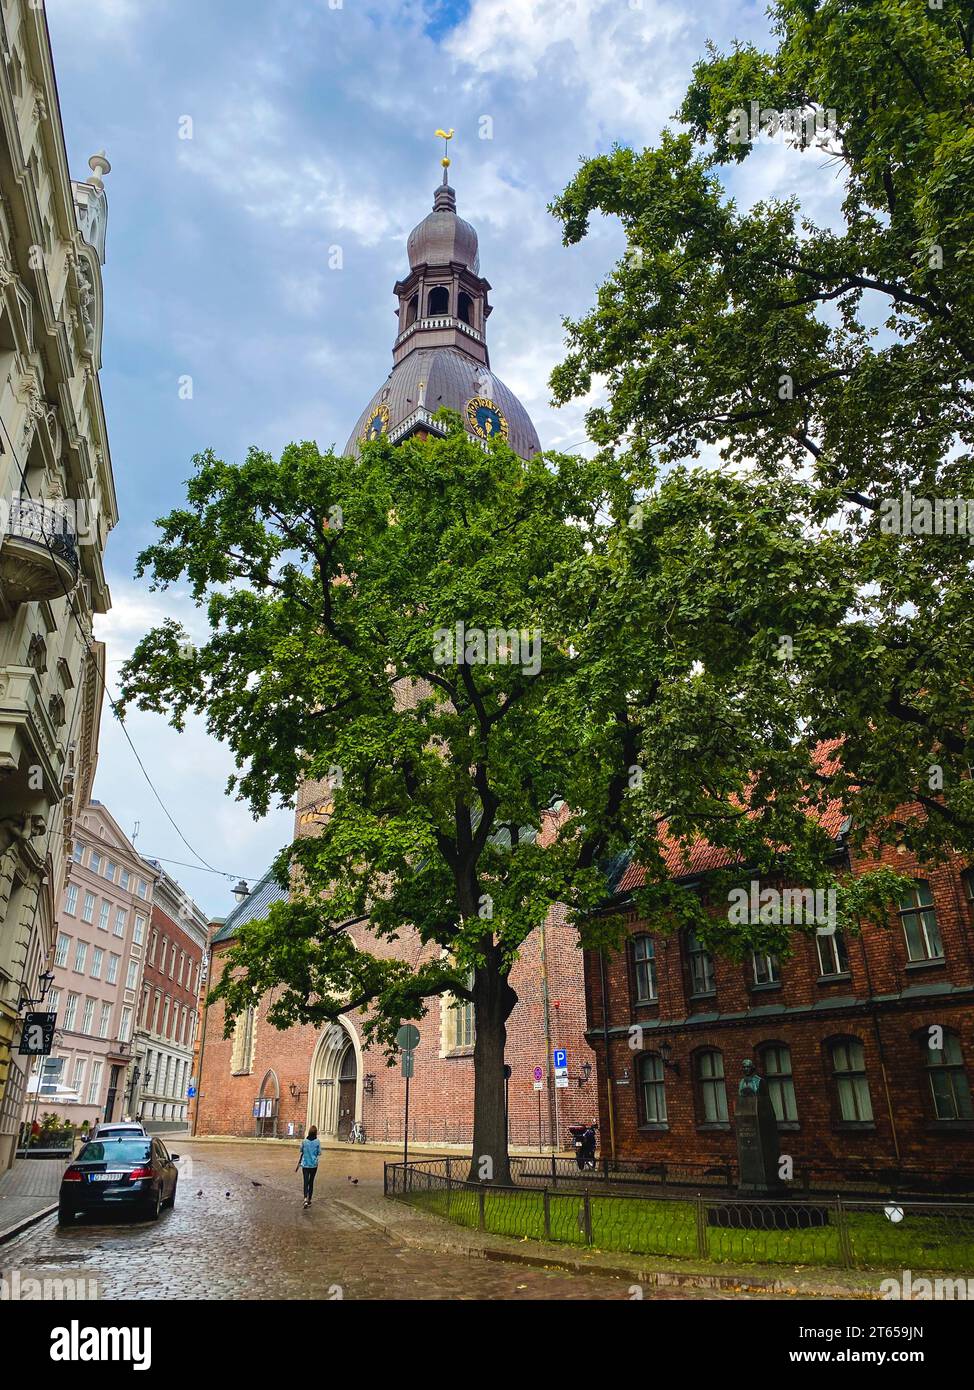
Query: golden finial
{"type": "Point", "coordinates": [445, 136]}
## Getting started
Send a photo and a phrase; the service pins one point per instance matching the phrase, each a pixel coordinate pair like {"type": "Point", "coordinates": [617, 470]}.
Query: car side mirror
{"type": "Point", "coordinates": [174, 1157]}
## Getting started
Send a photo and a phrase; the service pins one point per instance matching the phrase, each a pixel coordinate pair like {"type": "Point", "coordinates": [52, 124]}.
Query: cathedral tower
{"type": "Point", "coordinates": [440, 355]}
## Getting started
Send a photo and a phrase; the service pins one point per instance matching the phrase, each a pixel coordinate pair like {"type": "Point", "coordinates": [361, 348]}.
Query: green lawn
{"type": "Point", "coordinates": [654, 1227]}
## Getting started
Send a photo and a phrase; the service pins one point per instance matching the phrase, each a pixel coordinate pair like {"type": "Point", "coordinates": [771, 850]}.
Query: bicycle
{"type": "Point", "coordinates": [356, 1135]}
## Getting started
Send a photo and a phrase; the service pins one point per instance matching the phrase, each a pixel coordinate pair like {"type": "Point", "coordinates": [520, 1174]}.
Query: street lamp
{"type": "Point", "coordinates": [45, 980]}
{"type": "Point", "coordinates": [241, 891]}
{"type": "Point", "coordinates": [665, 1053]}
{"type": "Point", "coordinates": [584, 1072]}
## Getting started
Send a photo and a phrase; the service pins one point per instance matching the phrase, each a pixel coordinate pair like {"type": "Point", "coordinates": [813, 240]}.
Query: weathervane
{"type": "Point", "coordinates": [446, 136]}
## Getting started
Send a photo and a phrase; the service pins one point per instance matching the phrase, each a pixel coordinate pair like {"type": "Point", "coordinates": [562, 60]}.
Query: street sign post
{"type": "Point", "coordinates": [560, 1058]}
{"type": "Point", "coordinates": [407, 1040]}
{"type": "Point", "coordinates": [539, 1087]}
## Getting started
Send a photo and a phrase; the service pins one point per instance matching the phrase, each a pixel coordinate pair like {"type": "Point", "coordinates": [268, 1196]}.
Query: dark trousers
{"type": "Point", "coordinates": [309, 1182]}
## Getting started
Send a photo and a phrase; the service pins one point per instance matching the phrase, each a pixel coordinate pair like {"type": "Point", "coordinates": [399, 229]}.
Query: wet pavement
{"type": "Point", "coordinates": [239, 1231]}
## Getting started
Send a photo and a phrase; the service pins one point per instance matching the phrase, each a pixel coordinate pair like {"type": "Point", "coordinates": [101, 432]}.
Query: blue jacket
{"type": "Point", "coordinates": [310, 1152]}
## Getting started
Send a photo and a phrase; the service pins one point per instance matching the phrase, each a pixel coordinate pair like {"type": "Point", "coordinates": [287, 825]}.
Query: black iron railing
{"type": "Point", "coordinates": [834, 1230]}
{"type": "Point", "coordinates": [44, 524]}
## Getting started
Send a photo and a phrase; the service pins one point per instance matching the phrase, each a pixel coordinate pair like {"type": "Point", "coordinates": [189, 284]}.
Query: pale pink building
{"type": "Point", "coordinates": [100, 937]}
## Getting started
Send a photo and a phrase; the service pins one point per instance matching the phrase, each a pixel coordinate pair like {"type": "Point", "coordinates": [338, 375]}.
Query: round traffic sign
{"type": "Point", "coordinates": [408, 1037]}
{"type": "Point", "coordinates": [539, 1074]}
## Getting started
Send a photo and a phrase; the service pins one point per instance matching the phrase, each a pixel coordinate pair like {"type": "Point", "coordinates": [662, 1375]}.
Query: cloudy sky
{"type": "Point", "coordinates": [311, 127]}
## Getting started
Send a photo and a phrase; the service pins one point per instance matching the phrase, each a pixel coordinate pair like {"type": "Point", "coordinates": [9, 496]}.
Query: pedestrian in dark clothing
{"type": "Point", "coordinates": [588, 1146]}
{"type": "Point", "coordinates": [308, 1162]}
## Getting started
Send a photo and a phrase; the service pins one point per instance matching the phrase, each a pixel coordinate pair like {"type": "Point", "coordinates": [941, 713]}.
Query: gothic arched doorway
{"type": "Point", "coordinates": [266, 1108]}
{"type": "Point", "coordinates": [335, 1091]}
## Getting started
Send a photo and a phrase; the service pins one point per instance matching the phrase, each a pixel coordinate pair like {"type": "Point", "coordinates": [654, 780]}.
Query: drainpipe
{"type": "Point", "coordinates": [608, 1065]}
{"type": "Point", "coordinates": [879, 1048]}
{"type": "Point", "coordinates": [206, 1014]}
{"type": "Point", "coordinates": [547, 1038]}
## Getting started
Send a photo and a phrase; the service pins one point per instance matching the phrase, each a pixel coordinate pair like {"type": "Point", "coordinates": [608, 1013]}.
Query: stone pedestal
{"type": "Point", "coordinates": [757, 1144]}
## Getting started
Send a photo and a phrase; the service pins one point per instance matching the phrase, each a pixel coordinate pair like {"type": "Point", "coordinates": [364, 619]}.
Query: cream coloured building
{"type": "Point", "coordinates": [57, 505]}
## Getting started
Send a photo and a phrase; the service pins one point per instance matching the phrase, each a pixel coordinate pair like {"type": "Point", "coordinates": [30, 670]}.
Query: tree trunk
{"type": "Point", "coordinates": [493, 1001]}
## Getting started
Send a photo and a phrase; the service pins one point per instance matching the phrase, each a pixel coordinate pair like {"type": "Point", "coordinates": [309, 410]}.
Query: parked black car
{"type": "Point", "coordinates": [128, 1171]}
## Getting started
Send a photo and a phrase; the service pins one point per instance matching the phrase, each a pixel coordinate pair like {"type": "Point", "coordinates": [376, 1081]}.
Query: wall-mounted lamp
{"type": "Point", "coordinates": [665, 1053]}
{"type": "Point", "coordinates": [584, 1072]}
{"type": "Point", "coordinates": [295, 1092]}
{"type": "Point", "coordinates": [368, 1084]}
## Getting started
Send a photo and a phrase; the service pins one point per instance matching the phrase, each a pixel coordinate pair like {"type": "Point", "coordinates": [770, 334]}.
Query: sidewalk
{"type": "Point", "coordinates": [421, 1230]}
{"type": "Point", "coordinates": [28, 1191]}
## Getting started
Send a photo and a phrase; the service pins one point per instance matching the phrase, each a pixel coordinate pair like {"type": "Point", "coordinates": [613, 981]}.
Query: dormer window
{"type": "Point", "coordinates": [439, 301]}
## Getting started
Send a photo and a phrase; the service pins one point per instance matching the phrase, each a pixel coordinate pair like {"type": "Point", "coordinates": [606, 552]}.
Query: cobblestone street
{"type": "Point", "coordinates": [228, 1238]}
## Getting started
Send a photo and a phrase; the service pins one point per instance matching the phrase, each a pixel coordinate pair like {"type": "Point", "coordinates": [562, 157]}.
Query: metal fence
{"type": "Point", "coordinates": [830, 1231]}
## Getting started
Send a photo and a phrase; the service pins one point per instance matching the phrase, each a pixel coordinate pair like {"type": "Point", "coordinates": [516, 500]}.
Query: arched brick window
{"type": "Point", "coordinates": [775, 1062]}
{"type": "Point", "coordinates": [851, 1084]}
{"type": "Point", "coordinates": [644, 969]}
{"type": "Point", "coordinates": [652, 1090]}
{"type": "Point", "coordinates": [919, 920]}
{"type": "Point", "coordinates": [950, 1088]}
{"type": "Point", "coordinates": [708, 1071]}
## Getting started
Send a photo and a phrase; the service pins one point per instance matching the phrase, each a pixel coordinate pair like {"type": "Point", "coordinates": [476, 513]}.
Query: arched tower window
{"type": "Point", "coordinates": [439, 300]}
{"type": "Point", "coordinates": [465, 308]}
{"type": "Point", "coordinates": [412, 310]}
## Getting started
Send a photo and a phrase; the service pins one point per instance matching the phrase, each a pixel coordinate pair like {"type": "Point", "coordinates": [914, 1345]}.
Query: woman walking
{"type": "Point", "coordinates": [308, 1162]}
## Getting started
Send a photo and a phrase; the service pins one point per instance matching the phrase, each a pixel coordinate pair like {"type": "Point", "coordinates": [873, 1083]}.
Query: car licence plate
{"type": "Point", "coordinates": [105, 1177]}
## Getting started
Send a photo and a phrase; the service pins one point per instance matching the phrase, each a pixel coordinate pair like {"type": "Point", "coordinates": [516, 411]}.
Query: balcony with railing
{"type": "Point", "coordinates": [38, 552]}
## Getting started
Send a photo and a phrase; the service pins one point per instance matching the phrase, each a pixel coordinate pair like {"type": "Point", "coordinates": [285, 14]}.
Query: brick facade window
{"type": "Point", "coordinates": [700, 964]}
{"type": "Point", "coordinates": [652, 1089]}
{"type": "Point", "coordinates": [850, 1080]}
{"type": "Point", "coordinates": [833, 958]}
{"type": "Point", "coordinates": [242, 1057]}
{"type": "Point", "coordinates": [644, 969]}
{"type": "Point", "coordinates": [711, 1090]}
{"type": "Point", "coordinates": [949, 1085]}
{"type": "Point", "coordinates": [775, 1060]}
{"type": "Point", "coordinates": [766, 969]}
{"type": "Point", "coordinates": [920, 923]}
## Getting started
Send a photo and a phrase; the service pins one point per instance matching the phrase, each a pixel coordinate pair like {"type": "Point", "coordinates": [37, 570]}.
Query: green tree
{"type": "Point", "coordinates": [470, 795]}
{"type": "Point", "coordinates": [829, 366]}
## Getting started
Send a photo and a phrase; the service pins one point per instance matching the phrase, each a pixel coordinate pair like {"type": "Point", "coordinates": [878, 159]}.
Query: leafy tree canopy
{"type": "Point", "coordinates": [829, 364]}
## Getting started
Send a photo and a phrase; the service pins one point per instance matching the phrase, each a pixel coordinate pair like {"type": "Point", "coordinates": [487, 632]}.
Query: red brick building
{"type": "Point", "coordinates": [840, 1030]}
{"type": "Point", "coordinates": [167, 1017]}
{"type": "Point", "coordinates": [304, 1076]}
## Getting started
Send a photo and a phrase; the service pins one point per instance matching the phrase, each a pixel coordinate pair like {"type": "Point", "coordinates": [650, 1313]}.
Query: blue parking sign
{"type": "Point", "coordinates": [561, 1058]}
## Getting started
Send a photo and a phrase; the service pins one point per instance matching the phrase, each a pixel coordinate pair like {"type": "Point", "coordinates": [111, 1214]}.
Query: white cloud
{"type": "Point", "coordinates": [189, 769]}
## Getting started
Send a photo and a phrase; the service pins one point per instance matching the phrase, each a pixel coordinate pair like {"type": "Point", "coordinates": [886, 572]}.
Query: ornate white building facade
{"type": "Point", "coordinates": [57, 505]}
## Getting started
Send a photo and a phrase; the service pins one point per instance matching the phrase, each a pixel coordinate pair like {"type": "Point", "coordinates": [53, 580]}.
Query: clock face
{"type": "Point", "coordinates": [485, 419]}
{"type": "Point", "coordinates": [377, 423]}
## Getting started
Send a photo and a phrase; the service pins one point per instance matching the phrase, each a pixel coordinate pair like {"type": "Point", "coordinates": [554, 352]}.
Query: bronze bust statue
{"type": "Point", "coordinates": [750, 1083]}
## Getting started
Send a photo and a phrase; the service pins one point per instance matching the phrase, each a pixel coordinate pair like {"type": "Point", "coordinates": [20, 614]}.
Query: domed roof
{"type": "Point", "coordinates": [442, 237]}
{"type": "Point", "coordinates": [453, 379]}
